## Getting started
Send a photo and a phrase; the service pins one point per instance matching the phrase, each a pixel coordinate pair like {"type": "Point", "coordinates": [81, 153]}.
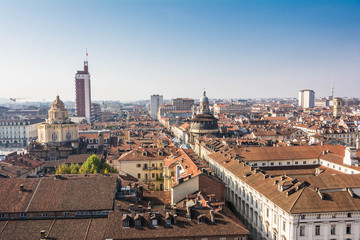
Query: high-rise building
{"type": "Point", "coordinates": [83, 93]}
{"type": "Point", "coordinates": [306, 98]}
{"type": "Point", "coordinates": [155, 102]}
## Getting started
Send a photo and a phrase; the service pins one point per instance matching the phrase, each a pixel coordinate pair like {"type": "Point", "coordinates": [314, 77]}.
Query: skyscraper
{"type": "Point", "coordinates": [83, 93]}
{"type": "Point", "coordinates": [155, 102]}
{"type": "Point", "coordinates": [306, 98]}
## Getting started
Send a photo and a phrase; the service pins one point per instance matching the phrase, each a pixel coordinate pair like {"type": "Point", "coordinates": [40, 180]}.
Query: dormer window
{"type": "Point", "coordinates": [137, 219]}
{"type": "Point", "coordinates": [126, 220]}
{"type": "Point", "coordinates": [201, 218]}
{"type": "Point", "coordinates": [154, 219]}
{"type": "Point", "coordinates": [168, 218]}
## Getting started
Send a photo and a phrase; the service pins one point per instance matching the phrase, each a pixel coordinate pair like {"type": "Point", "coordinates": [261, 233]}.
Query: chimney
{"type": "Point", "coordinates": [21, 188]}
{"type": "Point", "coordinates": [131, 207]}
{"type": "Point", "coordinates": [188, 212]}
{"type": "Point", "coordinates": [42, 234]}
{"type": "Point", "coordinates": [212, 216]}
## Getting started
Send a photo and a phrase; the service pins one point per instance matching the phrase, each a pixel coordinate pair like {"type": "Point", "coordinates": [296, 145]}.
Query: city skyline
{"type": "Point", "coordinates": [234, 49]}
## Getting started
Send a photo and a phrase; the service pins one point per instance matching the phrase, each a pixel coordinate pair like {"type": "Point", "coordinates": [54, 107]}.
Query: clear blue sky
{"type": "Point", "coordinates": [234, 49]}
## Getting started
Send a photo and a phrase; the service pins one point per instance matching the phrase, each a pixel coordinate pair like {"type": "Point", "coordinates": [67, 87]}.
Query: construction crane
{"type": "Point", "coordinates": [15, 99]}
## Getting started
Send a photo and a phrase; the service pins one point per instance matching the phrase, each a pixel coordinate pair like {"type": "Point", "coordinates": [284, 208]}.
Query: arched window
{"type": "Point", "coordinates": [54, 136]}
{"type": "Point", "coordinates": [68, 136]}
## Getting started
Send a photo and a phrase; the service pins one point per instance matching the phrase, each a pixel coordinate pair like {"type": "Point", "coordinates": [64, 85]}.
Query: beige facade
{"type": "Point", "coordinates": [146, 171]}
{"type": "Point", "coordinates": [58, 128]}
{"type": "Point", "coordinates": [146, 164]}
{"type": "Point", "coordinates": [338, 103]}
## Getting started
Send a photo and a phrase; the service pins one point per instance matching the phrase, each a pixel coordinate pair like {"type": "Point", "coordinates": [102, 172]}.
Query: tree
{"type": "Point", "coordinates": [74, 168]}
{"type": "Point", "coordinates": [92, 165]}
{"type": "Point", "coordinates": [63, 169]}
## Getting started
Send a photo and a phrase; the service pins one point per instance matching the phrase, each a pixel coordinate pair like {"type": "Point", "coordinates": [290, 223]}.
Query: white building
{"type": "Point", "coordinates": [155, 102]}
{"type": "Point", "coordinates": [18, 133]}
{"type": "Point", "coordinates": [306, 207]}
{"type": "Point", "coordinates": [306, 98]}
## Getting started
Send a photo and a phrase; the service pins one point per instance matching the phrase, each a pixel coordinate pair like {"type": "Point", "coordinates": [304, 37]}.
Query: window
{"type": "Point", "coordinates": [68, 136]}
{"type": "Point", "coordinates": [272, 164]}
{"type": "Point", "coordinates": [317, 230]}
{"type": "Point", "coordinates": [302, 216]}
{"type": "Point", "coordinates": [138, 223]}
{"type": "Point", "coordinates": [318, 216]}
{"type": "Point", "coordinates": [154, 222]}
{"type": "Point", "coordinates": [267, 212]}
{"type": "Point", "coordinates": [284, 226]}
{"type": "Point", "coordinates": [139, 175]}
{"type": "Point", "coordinates": [153, 175]}
{"type": "Point", "coordinates": [302, 230]}
{"type": "Point", "coordinates": [44, 214]}
{"type": "Point", "coordinates": [348, 228]}
{"type": "Point", "coordinates": [126, 224]}
{"type": "Point", "coordinates": [288, 163]}
{"type": "Point", "coordinates": [296, 163]}
{"type": "Point", "coordinates": [349, 215]}
{"type": "Point", "coordinates": [22, 215]}
{"type": "Point", "coordinates": [263, 164]}
{"type": "Point", "coordinates": [333, 229]}
{"type": "Point", "coordinates": [66, 214]}
{"type": "Point", "coordinates": [54, 137]}
{"type": "Point", "coordinates": [138, 165]}
{"type": "Point", "coordinates": [304, 162]}
{"type": "Point", "coordinates": [2, 215]}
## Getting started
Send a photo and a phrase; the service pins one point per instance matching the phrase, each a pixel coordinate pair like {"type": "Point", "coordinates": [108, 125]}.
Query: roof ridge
{"type": "Point", "coordinates": [33, 195]}
{"type": "Point", "coordinates": [302, 190]}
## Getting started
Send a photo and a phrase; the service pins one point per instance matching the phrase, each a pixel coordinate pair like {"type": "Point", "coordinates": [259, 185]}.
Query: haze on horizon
{"type": "Point", "coordinates": [233, 49]}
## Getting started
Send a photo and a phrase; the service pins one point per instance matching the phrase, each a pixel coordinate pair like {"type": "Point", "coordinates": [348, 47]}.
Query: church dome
{"type": "Point", "coordinates": [58, 104]}
{"type": "Point", "coordinates": [204, 98]}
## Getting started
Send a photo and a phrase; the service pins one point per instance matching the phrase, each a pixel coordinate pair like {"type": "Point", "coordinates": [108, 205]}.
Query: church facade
{"type": "Point", "coordinates": [58, 130]}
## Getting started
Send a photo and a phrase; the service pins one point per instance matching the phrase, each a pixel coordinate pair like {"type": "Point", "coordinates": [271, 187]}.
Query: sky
{"type": "Point", "coordinates": [233, 49]}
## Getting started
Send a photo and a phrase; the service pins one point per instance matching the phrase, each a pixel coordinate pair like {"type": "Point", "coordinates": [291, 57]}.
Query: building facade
{"type": "Point", "coordinates": [18, 133]}
{"type": "Point", "coordinates": [155, 102]}
{"type": "Point", "coordinates": [183, 104]}
{"type": "Point", "coordinates": [306, 98]}
{"type": "Point", "coordinates": [83, 93]}
{"type": "Point", "coordinates": [284, 207]}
